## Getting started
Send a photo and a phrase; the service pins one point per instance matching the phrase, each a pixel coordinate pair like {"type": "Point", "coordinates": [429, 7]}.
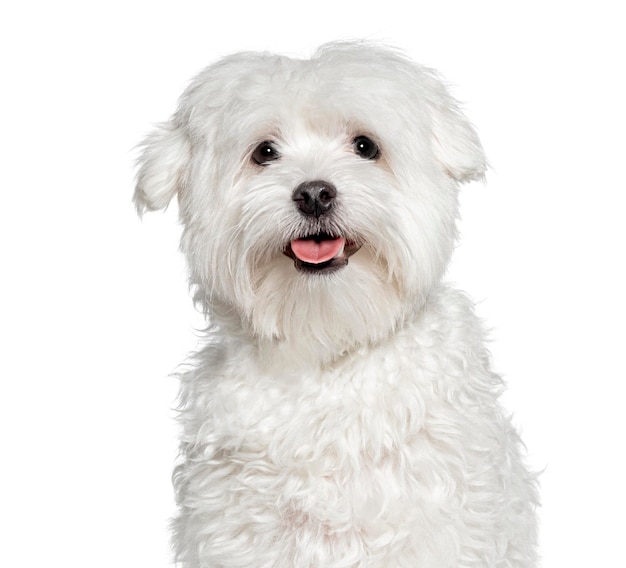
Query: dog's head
{"type": "Point", "coordinates": [318, 197]}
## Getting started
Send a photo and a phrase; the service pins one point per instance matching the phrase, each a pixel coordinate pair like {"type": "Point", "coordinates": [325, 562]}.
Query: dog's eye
{"type": "Point", "coordinates": [264, 153]}
{"type": "Point", "coordinates": [366, 148]}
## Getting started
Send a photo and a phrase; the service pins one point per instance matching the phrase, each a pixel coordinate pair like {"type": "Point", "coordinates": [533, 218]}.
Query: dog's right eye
{"type": "Point", "coordinates": [264, 153]}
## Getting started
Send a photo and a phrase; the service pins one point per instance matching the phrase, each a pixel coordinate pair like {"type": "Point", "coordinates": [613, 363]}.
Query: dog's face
{"type": "Point", "coordinates": [318, 197]}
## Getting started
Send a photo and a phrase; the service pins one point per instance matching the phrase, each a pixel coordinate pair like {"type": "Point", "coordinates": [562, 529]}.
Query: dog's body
{"type": "Point", "coordinates": [343, 413]}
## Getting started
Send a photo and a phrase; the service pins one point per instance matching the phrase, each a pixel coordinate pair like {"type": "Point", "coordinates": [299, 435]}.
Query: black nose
{"type": "Point", "coordinates": [315, 198]}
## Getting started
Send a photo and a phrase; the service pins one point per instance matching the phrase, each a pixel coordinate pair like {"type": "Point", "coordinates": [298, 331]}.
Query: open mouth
{"type": "Point", "coordinates": [320, 253]}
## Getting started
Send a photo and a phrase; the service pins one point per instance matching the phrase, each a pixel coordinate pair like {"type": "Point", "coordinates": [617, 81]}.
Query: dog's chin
{"type": "Point", "coordinates": [320, 253]}
{"type": "Point", "coordinates": [306, 313]}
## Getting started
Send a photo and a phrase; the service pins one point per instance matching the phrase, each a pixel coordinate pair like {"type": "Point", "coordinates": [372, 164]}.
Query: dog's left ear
{"type": "Point", "coordinates": [162, 167]}
{"type": "Point", "coordinates": [456, 144]}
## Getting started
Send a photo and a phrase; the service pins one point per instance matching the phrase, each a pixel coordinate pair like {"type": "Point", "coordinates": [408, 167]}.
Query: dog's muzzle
{"type": "Point", "coordinates": [318, 252]}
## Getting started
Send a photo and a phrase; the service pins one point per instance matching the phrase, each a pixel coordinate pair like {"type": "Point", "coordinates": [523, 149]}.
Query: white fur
{"type": "Point", "coordinates": [347, 419]}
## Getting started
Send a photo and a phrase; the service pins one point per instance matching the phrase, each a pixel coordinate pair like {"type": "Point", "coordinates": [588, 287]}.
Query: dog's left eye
{"type": "Point", "coordinates": [366, 148]}
{"type": "Point", "coordinates": [265, 152]}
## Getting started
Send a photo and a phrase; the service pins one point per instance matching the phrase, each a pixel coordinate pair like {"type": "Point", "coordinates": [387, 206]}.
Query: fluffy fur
{"type": "Point", "coordinates": [347, 417]}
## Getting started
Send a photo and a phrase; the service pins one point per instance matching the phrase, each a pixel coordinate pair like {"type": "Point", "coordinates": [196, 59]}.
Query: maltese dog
{"type": "Point", "coordinates": [343, 412]}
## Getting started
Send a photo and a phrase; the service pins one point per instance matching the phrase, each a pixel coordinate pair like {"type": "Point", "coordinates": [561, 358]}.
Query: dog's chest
{"type": "Point", "coordinates": [362, 444]}
{"type": "Point", "coordinates": [384, 451]}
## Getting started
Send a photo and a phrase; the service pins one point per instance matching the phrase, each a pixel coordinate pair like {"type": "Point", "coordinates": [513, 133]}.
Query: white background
{"type": "Point", "coordinates": [94, 306]}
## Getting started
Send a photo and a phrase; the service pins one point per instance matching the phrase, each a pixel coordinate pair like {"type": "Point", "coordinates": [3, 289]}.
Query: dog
{"type": "Point", "coordinates": [343, 412]}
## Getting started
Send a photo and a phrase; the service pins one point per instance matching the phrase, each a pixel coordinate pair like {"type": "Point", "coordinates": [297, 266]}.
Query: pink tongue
{"type": "Point", "coordinates": [308, 250]}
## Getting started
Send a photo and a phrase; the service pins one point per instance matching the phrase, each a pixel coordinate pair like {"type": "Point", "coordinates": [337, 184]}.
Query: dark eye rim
{"type": "Point", "coordinates": [265, 152]}
{"type": "Point", "coordinates": [365, 147]}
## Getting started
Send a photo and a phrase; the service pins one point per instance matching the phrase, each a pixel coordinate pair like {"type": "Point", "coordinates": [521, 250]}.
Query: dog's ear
{"type": "Point", "coordinates": [456, 144]}
{"type": "Point", "coordinates": [162, 167]}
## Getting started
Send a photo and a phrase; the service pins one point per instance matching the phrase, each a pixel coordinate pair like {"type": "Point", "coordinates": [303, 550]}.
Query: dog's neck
{"type": "Point", "coordinates": [305, 347]}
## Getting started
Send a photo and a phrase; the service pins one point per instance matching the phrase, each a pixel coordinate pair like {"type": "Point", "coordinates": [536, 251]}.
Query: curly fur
{"type": "Point", "coordinates": [346, 419]}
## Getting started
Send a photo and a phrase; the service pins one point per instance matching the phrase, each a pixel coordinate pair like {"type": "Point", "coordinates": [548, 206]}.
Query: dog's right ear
{"type": "Point", "coordinates": [162, 167]}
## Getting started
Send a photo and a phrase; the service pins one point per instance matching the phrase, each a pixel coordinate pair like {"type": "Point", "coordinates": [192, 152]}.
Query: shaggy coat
{"type": "Point", "coordinates": [343, 413]}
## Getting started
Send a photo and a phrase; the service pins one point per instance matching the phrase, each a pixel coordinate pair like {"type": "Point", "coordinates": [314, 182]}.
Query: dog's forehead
{"type": "Point", "coordinates": [316, 119]}
{"type": "Point", "coordinates": [324, 110]}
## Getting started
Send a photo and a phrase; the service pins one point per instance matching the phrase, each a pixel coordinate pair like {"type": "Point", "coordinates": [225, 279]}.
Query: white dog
{"type": "Point", "coordinates": [343, 413]}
